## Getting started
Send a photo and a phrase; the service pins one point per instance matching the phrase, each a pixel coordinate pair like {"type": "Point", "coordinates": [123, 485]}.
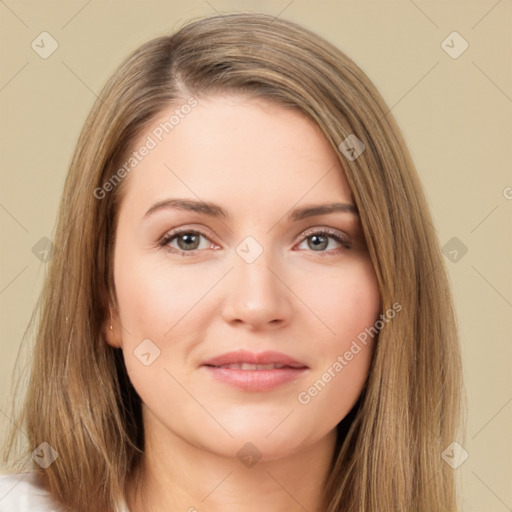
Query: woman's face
{"type": "Point", "coordinates": [252, 270]}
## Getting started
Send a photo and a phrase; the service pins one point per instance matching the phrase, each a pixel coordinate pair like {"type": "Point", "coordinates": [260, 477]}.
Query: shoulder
{"type": "Point", "coordinates": [23, 492]}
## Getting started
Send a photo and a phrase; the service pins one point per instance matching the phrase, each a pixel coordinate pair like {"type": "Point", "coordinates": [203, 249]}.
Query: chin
{"type": "Point", "coordinates": [267, 443]}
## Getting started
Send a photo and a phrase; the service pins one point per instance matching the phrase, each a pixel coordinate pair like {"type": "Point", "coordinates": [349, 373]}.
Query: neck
{"type": "Point", "coordinates": [177, 475]}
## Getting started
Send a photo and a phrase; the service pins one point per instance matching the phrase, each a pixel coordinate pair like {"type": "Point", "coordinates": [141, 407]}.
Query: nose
{"type": "Point", "coordinates": [256, 295]}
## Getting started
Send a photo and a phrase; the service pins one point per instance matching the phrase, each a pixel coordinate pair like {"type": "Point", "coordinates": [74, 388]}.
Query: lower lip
{"type": "Point", "coordinates": [255, 380]}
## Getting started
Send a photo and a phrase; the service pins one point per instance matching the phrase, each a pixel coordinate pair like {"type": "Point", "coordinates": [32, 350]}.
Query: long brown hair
{"type": "Point", "coordinates": [79, 398]}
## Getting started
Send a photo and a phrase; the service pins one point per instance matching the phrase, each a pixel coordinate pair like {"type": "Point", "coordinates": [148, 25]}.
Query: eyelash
{"type": "Point", "coordinates": [346, 244]}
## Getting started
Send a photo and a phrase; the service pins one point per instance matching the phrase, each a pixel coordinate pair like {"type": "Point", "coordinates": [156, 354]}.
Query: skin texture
{"type": "Point", "coordinates": [258, 161]}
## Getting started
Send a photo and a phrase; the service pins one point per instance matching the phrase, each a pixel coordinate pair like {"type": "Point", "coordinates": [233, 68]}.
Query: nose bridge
{"type": "Point", "coordinates": [256, 294]}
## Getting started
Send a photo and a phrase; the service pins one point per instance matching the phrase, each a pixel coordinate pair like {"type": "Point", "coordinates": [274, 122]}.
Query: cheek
{"type": "Point", "coordinates": [353, 318]}
{"type": "Point", "coordinates": [349, 305]}
{"type": "Point", "coordinates": [165, 304]}
{"type": "Point", "coordinates": [155, 297]}
{"type": "Point", "coordinates": [346, 301]}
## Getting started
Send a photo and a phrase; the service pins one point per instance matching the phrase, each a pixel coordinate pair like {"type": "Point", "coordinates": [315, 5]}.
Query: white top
{"type": "Point", "coordinates": [22, 492]}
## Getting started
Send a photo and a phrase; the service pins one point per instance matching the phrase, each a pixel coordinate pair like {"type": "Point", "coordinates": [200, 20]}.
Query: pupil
{"type": "Point", "coordinates": [187, 241]}
{"type": "Point", "coordinates": [318, 241]}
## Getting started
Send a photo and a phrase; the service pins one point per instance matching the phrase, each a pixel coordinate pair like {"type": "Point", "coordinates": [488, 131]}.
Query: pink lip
{"type": "Point", "coordinates": [254, 380]}
{"type": "Point", "coordinates": [244, 356]}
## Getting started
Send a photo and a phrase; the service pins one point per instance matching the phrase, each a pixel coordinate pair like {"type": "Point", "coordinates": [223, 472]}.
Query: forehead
{"type": "Point", "coordinates": [235, 148]}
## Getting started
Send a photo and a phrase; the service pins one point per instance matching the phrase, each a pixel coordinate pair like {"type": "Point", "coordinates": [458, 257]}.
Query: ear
{"type": "Point", "coordinates": [111, 328]}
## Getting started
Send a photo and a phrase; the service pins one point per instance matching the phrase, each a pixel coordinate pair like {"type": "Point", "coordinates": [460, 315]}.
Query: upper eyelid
{"type": "Point", "coordinates": [333, 232]}
{"type": "Point", "coordinates": [329, 231]}
{"type": "Point", "coordinates": [178, 231]}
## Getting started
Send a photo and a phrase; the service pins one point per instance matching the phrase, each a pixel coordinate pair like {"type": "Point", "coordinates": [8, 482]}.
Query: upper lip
{"type": "Point", "coordinates": [245, 356]}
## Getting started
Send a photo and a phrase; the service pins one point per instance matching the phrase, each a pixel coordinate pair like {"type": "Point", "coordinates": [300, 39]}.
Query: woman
{"type": "Point", "coordinates": [247, 307]}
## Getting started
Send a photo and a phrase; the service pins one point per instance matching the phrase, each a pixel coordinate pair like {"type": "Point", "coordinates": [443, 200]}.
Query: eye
{"type": "Point", "coordinates": [185, 240]}
{"type": "Point", "coordinates": [319, 241]}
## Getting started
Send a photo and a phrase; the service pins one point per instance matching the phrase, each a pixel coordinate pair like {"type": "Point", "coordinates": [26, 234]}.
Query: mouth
{"type": "Point", "coordinates": [254, 371]}
{"type": "Point", "coordinates": [252, 367]}
{"type": "Point", "coordinates": [267, 360]}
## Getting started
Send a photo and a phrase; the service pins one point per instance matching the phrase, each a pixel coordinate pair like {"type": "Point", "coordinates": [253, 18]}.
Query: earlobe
{"type": "Point", "coordinates": [112, 332]}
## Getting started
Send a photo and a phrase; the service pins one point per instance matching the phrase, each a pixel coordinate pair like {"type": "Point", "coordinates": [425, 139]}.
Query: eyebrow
{"type": "Point", "coordinates": [214, 210]}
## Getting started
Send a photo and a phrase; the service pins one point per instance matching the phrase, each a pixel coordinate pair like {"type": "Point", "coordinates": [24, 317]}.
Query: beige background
{"type": "Point", "coordinates": [456, 115]}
